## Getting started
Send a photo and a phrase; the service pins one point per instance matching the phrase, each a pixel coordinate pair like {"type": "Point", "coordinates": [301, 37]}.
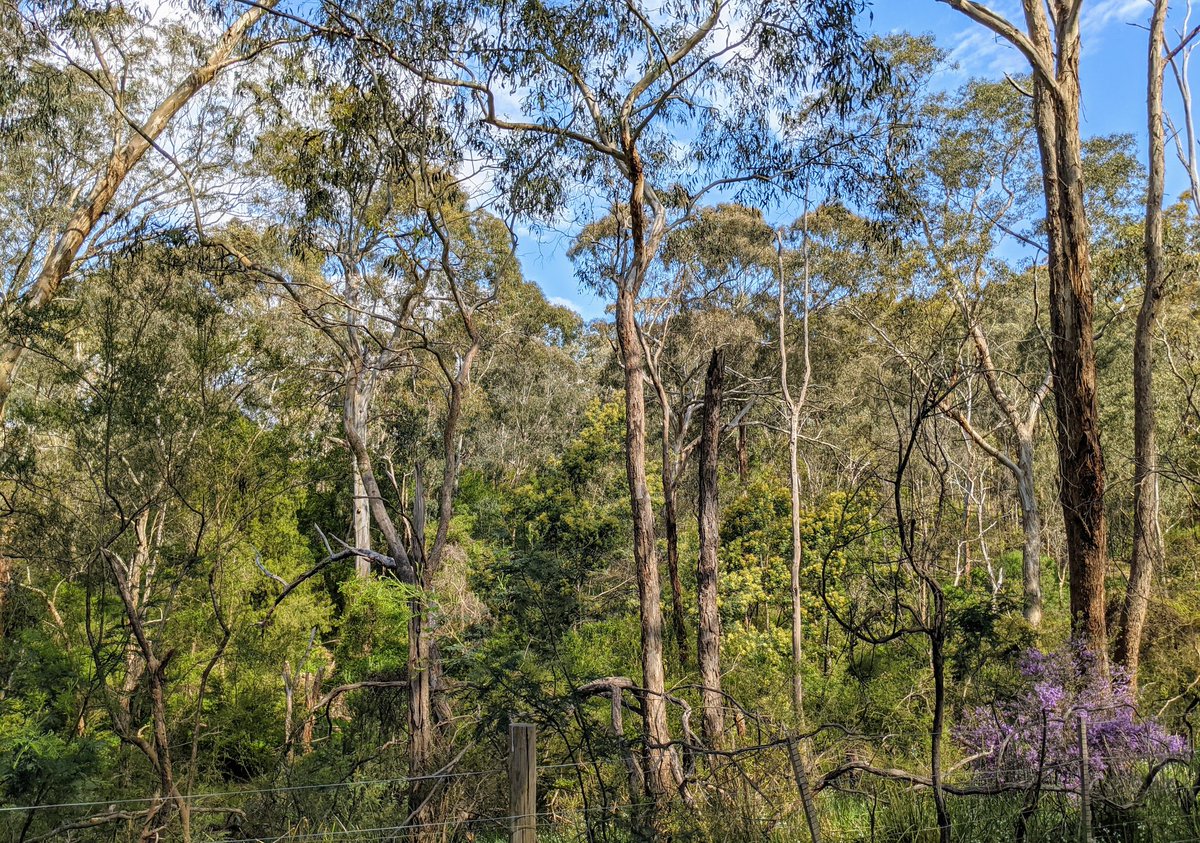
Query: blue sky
{"type": "Point", "coordinates": [1113, 79]}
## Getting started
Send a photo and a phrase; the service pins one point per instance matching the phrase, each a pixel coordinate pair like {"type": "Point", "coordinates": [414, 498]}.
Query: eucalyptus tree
{"type": "Point", "coordinates": [363, 189]}
{"type": "Point", "coordinates": [536, 379]}
{"type": "Point", "coordinates": [147, 495]}
{"type": "Point", "coordinates": [592, 92]}
{"type": "Point", "coordinates": [1050, 42]}
{"type": "Point", "coordinates": [708, 637]}
{"type": "Point", "coordinates": [1147, 535]}
{"type": "Point", "coordinates": [973, 200]}
{"type": "Point", "coordinates": [391, 263]}
{"type": "Point", "coordinates": [95, 87]}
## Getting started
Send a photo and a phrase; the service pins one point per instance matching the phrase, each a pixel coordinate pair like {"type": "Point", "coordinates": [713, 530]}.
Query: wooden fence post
{"type": "Point", "coordinates": [522, 781]}
{"type": "Point", "coordinates": [1085, 785]}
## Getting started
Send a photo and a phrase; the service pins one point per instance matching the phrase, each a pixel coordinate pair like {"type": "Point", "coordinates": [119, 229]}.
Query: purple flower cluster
{"type": "Point", "coordinates": [1005, 740]}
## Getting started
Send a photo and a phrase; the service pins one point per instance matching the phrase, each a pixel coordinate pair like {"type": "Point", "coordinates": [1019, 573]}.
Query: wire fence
{"type": "Point", "coordinates": [753, 791]}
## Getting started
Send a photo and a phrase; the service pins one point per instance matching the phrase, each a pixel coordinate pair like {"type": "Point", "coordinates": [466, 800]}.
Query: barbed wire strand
{"type": "Point", "coordinates": [315, 835]}
{"type": "Point", "coordinates": [141, 800]}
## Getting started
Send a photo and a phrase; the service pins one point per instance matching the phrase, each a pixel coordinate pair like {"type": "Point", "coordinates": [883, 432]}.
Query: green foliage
{"type": "Point", "coordinates": [567, 524]}
{"type": "Point", "coordinates": [375, 641]}
{"type": "Point", "coordinates": [756, 552]}
{"type": "Point", "coordinates": [174, 469]}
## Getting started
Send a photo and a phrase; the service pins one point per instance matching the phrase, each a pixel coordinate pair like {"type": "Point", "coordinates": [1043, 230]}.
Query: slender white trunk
{"type": "Point", "coordinates": [362, 521]}
{"type": "Point", "coordinates": [1031, 530]}
{"type": "Point", "coordinates": [794, 406]}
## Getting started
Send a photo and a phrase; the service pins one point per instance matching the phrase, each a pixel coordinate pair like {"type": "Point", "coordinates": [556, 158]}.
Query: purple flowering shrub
{"type": "Point", "coordinates": [1005, 740]}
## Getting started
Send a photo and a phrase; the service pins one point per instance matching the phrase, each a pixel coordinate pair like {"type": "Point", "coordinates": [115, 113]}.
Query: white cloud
{"type": "Point", "coordinates": [980, 52]}
{"type": "Point", "coordinates": [1101, 14]}
{"type": "Point", "coordinates": [562, 301]}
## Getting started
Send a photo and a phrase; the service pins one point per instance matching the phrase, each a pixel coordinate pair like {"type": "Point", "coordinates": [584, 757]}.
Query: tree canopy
{"type": "Point", "coordinates": [865, 511]}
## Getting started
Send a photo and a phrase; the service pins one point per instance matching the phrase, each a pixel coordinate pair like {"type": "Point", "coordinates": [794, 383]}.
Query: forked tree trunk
{"type": "Point", "coordinates": [133, 581]}
{"type": "Point", "coordinates": [1147, 540]}
{"type": "Point", "coordinates": [420, 721]}
{"type": "Point", "coordinates": [1022, 422]}
{"type": "Point", "coordinates": [708, 638]}
{"type": "Point", "coordinates": [1022, 470]}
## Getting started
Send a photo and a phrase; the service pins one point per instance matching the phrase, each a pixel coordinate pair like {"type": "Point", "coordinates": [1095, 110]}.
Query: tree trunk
{"type": "Point", "coordinates": [670, 479]}
{"type": "Point", "coordinates": [1072, 304]}
{"type": "Point", "coordinates": [797, 564]}
{"type": "Point", "coordinates": [1147, 543]}
{"type": "Point", "coordinates": [289, 694]}
{"type": "Point", "coordinates": [156, 672]}
{"type": "Point", "coordinates": [420, 720]}
{"type": "Point", "coordinates": [1031, 531]}
{"type": "Point", "coordinates": [355, 414]}
{"type": "Point", "coordinates": [660, 776]}
{"type": "Point", "coordinates": [743, 452]}
{"type": "Point", "coordinates": [672, 468]}
{"type": "Point", "coordinates": [794, 407]}
{"type": "Point", "coordinates": [937, 655]}
{"type": "Point", "coordinates": [133, 584]}
{"type": "Point", "coordinates": [708, 638]}
{"type": "Point", "coordinates": [1053, 54]}
{"type": "Point", "coordinates": [362, 521]}
{"type": "Point", "coordinates": [420, 725]}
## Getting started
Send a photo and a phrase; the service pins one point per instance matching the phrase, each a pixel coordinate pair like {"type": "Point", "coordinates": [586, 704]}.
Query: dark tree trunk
{"type": "Point", "coordinates": [937, 654]}
{"type": "Point", "coordinates": [708, 639]}
{"type": "Point", "coordinates": [671, 524]}
{"type": "Point", "coordinates": [1072, 322]}
{"type": "Point", "coordinates": [1051, 44]}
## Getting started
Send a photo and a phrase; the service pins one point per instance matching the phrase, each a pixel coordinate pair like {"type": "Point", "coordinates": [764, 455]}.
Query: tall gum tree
{"type": "Point", "coordinates": [397, 272]}
{"type": "Point", "coordinates": [1050, 43]}
{"type": "Point", "coordinates": [597, 93]}
{"type": "Point", "coordinates": [967, 211]}
{"type": "Point", "coordinates": [1147, 539]}
{"type": "Point", "coordinates": [708, 637]}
